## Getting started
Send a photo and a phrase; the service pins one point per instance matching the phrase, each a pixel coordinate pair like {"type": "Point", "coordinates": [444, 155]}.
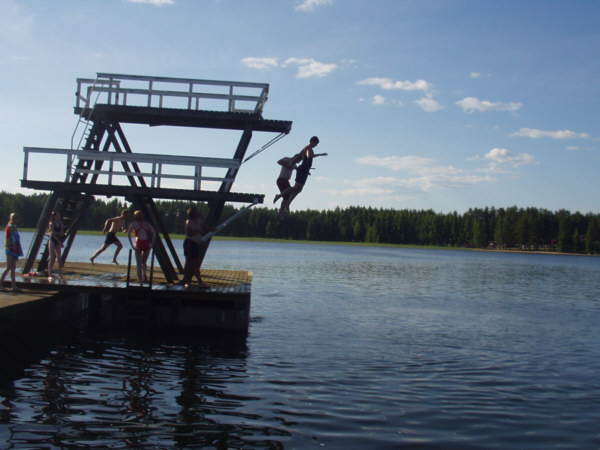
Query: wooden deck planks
{"type": "Point", "coordinates": [111, 278]}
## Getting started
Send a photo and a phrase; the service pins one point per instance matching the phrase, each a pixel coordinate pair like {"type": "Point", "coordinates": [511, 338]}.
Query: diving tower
{"type": "Point", "coordinates": [102, 162]}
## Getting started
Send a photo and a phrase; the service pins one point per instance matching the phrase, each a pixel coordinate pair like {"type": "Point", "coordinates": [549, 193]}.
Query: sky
{"type": "Point", "coordinates": [442, 105]}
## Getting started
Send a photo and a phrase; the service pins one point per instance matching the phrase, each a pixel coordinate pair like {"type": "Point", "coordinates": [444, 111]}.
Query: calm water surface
{"type": "Point", "coordinates": [349, 347]}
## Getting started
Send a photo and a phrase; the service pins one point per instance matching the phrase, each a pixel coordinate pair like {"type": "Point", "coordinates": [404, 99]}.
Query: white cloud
{"type": "Point", "coordinates": [260, 63]}
{"type": "Point", "coordinates": [311, 5]}
{"type": "Point", "coordinates": [154, 2]}
{"type": "Point", "coordinates": [309, 67]}
{"type": "Point", "coordinates": [504, 156]}
{"type": "Point", "coordinates": [378, 100]}
{"type": "Point", "coordinates": [475, 75]}
{"type": "Point", "coordinates": [404, 163]}
{"type": "Point", "coordinates": [539, 134]}
{"type": "Point", "coordinates": [572, 148]}
{"type": "Point", "coordinates": [470, 104]}
{"type": "Point", "coordinates": [389, 84]}
{"type": "Point", "coordinates": [429, 104]}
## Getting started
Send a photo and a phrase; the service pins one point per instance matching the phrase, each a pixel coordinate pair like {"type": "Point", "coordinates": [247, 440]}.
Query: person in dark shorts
{"type": "Point", "coordinates": [288, 165]}
{"type": "Point", "coordinates": [111, 227]}
{"type": "Point", "coordinates": [195, 228]}
{"type": "Point", "coordinates": [302, 173]}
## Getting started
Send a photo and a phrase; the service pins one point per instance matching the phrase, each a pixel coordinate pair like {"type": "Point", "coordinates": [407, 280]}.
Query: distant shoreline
{"type": "Point", "coordinates": [356, 244]}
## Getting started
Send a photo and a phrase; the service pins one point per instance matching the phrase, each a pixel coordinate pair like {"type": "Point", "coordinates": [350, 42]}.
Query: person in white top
{"type": "Point", "coordinates": [288, 165]}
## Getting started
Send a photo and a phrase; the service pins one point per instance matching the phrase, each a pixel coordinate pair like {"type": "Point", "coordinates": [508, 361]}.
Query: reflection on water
{"type": "Point", "coordinates": [348, 348]}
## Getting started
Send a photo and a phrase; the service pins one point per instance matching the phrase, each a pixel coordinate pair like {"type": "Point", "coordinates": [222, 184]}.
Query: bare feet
{"type": "Point", "coordinates": [277, 197]}
{"type": "Point", "coordinates": [114, 262]}
{"type": "Point", "coordinates": [92, 260]}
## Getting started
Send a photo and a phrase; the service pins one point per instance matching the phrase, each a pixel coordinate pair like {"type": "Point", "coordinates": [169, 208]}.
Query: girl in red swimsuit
{"type": "Point", "coordinates": [144, 240]}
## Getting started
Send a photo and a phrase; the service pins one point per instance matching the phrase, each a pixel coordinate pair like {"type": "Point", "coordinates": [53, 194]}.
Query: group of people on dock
{"type": "Point", "coordinates": [144, 237]}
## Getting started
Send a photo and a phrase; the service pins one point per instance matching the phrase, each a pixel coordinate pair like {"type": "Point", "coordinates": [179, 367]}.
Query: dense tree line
{"type": "Point", "coordinates": [509, 228]}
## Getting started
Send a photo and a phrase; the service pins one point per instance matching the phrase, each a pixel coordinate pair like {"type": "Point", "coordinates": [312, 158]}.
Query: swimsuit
{"type": "Point", "coordinates": [12, 244]}
{"type": "Point", "coordinates": [303, 170]}
{"type": "Point", "coordinates": [111, 238]}
{"type": "Point", "coordinates": [58, 230]}
{"type": "Point", "coordinates": [191, 249]}
{"type": "Point", "coordinates": [141, 239]}
{"type": "Point", "coordinates": [283, 184]}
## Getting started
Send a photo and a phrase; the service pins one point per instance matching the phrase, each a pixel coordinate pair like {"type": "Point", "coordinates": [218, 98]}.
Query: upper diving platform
{"type": "Point", "coordinates": [232, 105]}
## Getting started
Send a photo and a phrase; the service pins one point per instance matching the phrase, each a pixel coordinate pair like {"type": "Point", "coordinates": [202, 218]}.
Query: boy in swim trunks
{"type": "Point", "coordinates": [116, 224]}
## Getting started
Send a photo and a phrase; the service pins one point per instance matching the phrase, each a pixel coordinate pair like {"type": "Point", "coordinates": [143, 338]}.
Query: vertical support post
{"type": "Point", "coordinates": [69, 164]}
{"type": "Point", "coordinates": [231, 100]}
{"type": "Point", "coordinates": [110, 170]}
{"type": "Point", "coordinates": [129, 268]}
{"type": "Point", "coordinates": [149, 93]}
{"type": "Point", "coordinates": [25, 164]}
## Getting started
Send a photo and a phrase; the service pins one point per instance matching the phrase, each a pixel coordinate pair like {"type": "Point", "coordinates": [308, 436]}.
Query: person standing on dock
{"type": "Point", "coordinates": [56, 233]}
{"type": "Point", "coordinates": [195, 228]}
{"type": "Point", "coordinates": [302, 173]}
{"type": "Point", "coordinates": [111, 227]}
{"type": "Point", "coordinates": [13, 249]}
{"type": "Point", "coordinates": [144, 240]}
{"type": "Point", "coordinates": [288, 165]}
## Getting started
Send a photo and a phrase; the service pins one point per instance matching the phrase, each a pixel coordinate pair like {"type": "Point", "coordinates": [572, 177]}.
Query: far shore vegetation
{"type": "Point", "coordinates": [511, 228]}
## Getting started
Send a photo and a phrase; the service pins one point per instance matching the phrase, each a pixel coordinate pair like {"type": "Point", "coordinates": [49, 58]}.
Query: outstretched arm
{"type": "Point", "coordinates": [319, 154]}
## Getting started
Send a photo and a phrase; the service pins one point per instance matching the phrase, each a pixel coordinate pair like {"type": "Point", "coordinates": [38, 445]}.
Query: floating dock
{"type": "Point", "coordinates": [104, 294]}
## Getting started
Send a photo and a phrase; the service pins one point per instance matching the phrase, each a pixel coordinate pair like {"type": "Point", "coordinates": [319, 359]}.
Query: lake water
{"type": "Point", "coordinates": [349, 347]}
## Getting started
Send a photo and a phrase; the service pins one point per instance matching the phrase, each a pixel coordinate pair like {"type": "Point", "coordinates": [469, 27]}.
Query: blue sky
{"type": "Point", "coordinates": [421, 104]}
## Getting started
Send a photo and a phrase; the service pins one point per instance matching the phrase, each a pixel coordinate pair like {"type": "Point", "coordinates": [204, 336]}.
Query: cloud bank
{"type": "Point", "coordinates": [311, 5]}
{"type": "Point", "coordinates": [154, 2]}
{"type": "Point", "coordinates": [472, 104]}
{"type": "Point", "coordinates": [540, 134]}
{"type": "Point", "coordinates": [307, 67]}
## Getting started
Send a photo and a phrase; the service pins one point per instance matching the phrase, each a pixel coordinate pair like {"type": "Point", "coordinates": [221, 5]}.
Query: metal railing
{"type": "Point", "coordinates": [163, 92]}
{"type": "Point", "coordinates": [153, 166]}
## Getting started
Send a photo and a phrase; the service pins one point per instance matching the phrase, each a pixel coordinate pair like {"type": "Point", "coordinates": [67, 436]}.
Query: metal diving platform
{"type": "Point", "coordinates": [101, 161]}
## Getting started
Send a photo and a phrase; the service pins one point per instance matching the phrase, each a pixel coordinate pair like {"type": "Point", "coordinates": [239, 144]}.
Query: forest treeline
{"type": "Point", "coordinates": [509, 228]}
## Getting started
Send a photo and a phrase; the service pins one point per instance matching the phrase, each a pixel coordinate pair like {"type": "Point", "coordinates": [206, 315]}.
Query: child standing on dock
{"type": "Point", "coordinates": [56, 232]}
{"type": "Point", "coordinates": [194, 230]}
{"type": "Point", "coordinates": [111, 227]}
{"type": "Point", "coordinates": [144, 240]}
{"type": "Point", "coordinates": [12, 248]}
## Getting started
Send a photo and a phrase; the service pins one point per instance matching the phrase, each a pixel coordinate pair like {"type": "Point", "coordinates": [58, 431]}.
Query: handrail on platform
{"type": "Point", "coordinates": [157, 162]}
{"type": "Point", "coordinates": [147, 91]}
